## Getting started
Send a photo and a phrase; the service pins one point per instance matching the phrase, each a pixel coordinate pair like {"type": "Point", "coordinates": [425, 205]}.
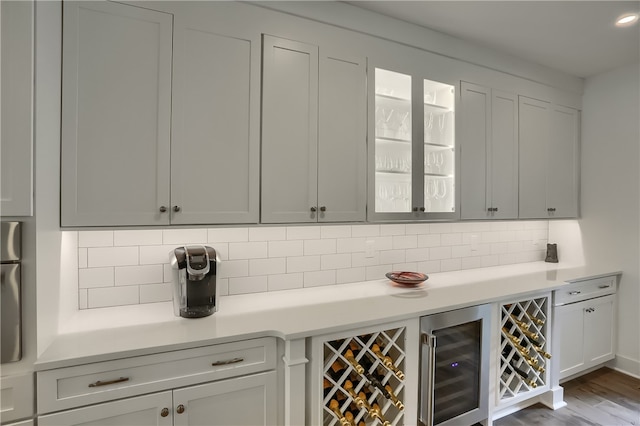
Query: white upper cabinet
{"type": "Point", "coordinates": [548, 178]}
{"type": "Point", "coordinates": [215, 134]}
{"type": "Point", "coordinates": [116, 114]}
{"type": "Point", "coordinates": [16, 194]}
{"type": "Point", "coordinates": [313, 134]}
{"type": "Point", "coordinates": [412, 147]}
{"type": "Point", "coordinates": [489, 157]}
{"type": "Point", "coordinates": [160, 118]}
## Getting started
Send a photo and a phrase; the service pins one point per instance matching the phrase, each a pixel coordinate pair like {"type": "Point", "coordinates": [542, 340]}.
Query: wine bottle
{"type": "Point", "coordinates": [334, 406]}
{"type": "Point", "coordinates": [357, 398]}
{"type": "Point", "coordinates": [387, 361]}
{"type": "Point", "coordinates": [376, 413]}
{"type": "Point", "coordinates": [523, 325]}
{"type": "Point", "coordinates": [394, 399]}
{"type": "Point", "coordinates": [515, 342]}
{"type": "Point", "coordinates": [336, 371]}
{"type": "Point", "coordinates": [349, 356]}
{"type": "Point", "coordinates": [530, 336]}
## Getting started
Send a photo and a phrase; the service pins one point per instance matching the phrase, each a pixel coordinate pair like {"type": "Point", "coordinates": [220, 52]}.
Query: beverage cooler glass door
{"type": "Point", "coordinates": [414, 147]}
{"type": "Point", "coordinates": [454, 367]}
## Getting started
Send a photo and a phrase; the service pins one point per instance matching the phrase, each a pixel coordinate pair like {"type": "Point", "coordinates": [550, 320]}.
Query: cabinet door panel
{"type": "Point", "coordinates": [138, 411]}
{"type": "Point", "coordinates": [533, 137]}
{"type": "Point", "coordinates": [16, 193]}
{"type": "Point", "coordinates": [562, 176]}
{"type": "Point", "coordinates": [249, 400]}
{"type": "Point", "coordinates": [289, 131]}
{"type": "Point", "coordinates": [342, 139]}
{"type": "Point", "coordinates": [599, 330]}
{"type": "Point", "coordinates": [214, 149]}
{"type": "Point", "coordinates": [504, 155]}
{"type": "Point", "coordinates": [116, 114]}
{"type": "Point", "coordinates": [570, 329]}
{"type": "Point", "coordinates": [476, 133]}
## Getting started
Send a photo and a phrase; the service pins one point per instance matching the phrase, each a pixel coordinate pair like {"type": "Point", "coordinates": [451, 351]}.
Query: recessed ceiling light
{"type": "Point", "coordinates": [627, 19]}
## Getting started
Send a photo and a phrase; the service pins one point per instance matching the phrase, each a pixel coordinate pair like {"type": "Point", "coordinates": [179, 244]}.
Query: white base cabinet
{"type": "Point", "coordinates": [585, 325]}
{"type": "Point", "coordinates": [248, 400]}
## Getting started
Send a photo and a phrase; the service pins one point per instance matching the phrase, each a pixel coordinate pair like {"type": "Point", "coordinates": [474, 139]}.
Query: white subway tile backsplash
{"type": "Point", "coordinates": [285, 281]}
{"type": "Point", "coordinates": [303, 233]}
{"type": "Point", "coordinates": [393, 229]}
{"type": "Point", "coordinates": [95, 239]}
{"type": "Point", "coordinates": [112, 296]}
{"type": "Point", "coordinates": [137, 237]}
{"type": "Point", "coordinates": [268, 234]}
{"type": "Point", "coordinates": [326, 246]}
{"type": "Point", "coordinates": [136, 275]}
{"type": "Point", "coordinates": [335, 231]}
{"type": "Point", "coordinates": [180, 237]}
{"type": "Point", "coordinates": [318, 278]}
{"type": "Point", "coordinates": [286, 248]}
{"type": "Point", "coordinates": [276, 265]}
{"type": "Point", "coordinates": [405, 241]}
{"type": "Point", "coordinates": [365, 231]}
{"type": "Point", "coordinates": [95, 277]}
{"type": "Point", "coordinates": [247, 285]}
{"type": "Point", "coordinates": [250, 250]}
{"type": "Point", "coordinates": [227, 235]}
{"type": "Point", "coordinates": [335, 261]}
{"type": "Point", "coordinates": [388, 257]}
{"type": "Point", "coordinates": [350, 275]}
{"type": "Point", "coordinates": [132, 266]}
{"type": "Point", "coordinates": [151, 293]}
{"type": "Point", "coordinates": [82, 258]}
{"type": "Point", "coordinates": [153, 255]}
{"type": "Point", "coordinates": [303, 264]}
{"type": "Point", "coordinates": [234, 268]}
{"type": "Point", "coordinates": [112, 256]}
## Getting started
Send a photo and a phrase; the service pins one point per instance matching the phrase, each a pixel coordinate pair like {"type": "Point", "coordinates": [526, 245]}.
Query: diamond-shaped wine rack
{"type": "Point", "coordinates": [523, 347]}
{"type": "Point", "coordinates": [364, 379]}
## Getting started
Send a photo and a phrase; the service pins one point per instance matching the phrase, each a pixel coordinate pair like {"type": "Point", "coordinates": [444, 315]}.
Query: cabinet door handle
{"type": "Point", "coordinates": [164, 412]}
{"type": "Point", "coordinates": [163, 209]}
{"type": "Point", "coordinates": [422, 209]}
{"type": "Point", "coordinates": [108, 382]}
{"type": "Point", "coordinates": [176, 209]}
{"type": "Point", "coordinates": [323, 209]}
{"type": "Point", "coordinates": [574, 293]}
{"type": "Point", "coordinates": [180, 409]}
{"type": "Point", "coordinates": [313, 209]}
{"type": "Point", "coordinates": [605, 286]}
{"type": "Point", "coordinates": [227, 362]}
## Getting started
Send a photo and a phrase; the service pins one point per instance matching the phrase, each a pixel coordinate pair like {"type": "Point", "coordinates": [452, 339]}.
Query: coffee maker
{"type": "Point", "coordinates": [195, 290]}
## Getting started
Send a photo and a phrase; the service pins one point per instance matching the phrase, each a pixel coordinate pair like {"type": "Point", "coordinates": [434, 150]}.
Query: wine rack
{"type": "Point", "coordinates": [524, 356]}
{"type": "Point", "coordinates": [364, 379]}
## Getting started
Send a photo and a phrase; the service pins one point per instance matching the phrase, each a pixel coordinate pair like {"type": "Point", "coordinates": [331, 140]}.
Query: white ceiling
{"type": "Point", "coordinates": [577, 37]}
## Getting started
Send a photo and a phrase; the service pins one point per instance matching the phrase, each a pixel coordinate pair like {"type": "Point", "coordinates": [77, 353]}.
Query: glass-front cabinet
{"type": "Point", "coordinates": [412, 148]}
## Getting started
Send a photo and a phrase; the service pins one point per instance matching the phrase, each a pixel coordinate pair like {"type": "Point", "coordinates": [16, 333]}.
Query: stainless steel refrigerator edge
{"type": "Point", "coordinates": [10, 296]}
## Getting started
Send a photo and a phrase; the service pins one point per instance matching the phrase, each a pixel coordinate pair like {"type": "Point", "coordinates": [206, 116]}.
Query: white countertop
{"type": "Point", "coordinates": [112, 333]}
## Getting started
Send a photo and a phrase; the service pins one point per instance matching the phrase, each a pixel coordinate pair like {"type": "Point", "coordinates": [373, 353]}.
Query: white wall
{"type": "Point", "coordinates": [610, 204]}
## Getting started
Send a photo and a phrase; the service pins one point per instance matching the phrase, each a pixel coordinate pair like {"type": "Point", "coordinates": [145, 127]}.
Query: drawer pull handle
{"type": "Point", "coordinates": [227, 362]}
{"type": "Point", "coordinates": [573, 293]}
{"type": "Point", "coordinates": [605, 286]}
{"type": "Point", "coordinates": [108, 382]}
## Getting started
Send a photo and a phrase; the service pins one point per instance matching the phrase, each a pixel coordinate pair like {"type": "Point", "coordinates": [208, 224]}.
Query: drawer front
{"type": "Point", "coordinates": [583, 290]}
{"type": "Point", "coordinates": [70, 387]}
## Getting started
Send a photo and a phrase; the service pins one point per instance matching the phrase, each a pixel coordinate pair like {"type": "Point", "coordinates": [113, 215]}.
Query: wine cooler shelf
{"type": "Point", "coordinates": [364, 381]}
{"type": "Point", "coordinates": [523, 343]}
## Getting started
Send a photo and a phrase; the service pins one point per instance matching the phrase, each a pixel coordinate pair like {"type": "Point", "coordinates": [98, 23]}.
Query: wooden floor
{"type": "Point", "coordinates": [602, 398]}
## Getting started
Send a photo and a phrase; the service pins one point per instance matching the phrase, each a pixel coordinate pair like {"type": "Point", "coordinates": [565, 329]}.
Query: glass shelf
{"type": "Point", "coordinates": [394, 98]}
{"type": "Point", "coordinates": [441, 108]}
{"type": "Point", "coordinates": [438, 175]}
{"type": "Point", "coordinates": [439, 145]}
{"type": "Point", "coordinates": [390, 139]}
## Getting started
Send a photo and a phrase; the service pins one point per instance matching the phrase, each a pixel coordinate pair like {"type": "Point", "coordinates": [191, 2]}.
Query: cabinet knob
{"type": "Point", "coordinates": [163, 209]}
{"type": "Point", "coordinates": [176, 208]}
{"type": "Point", "coordinates": [422, 209]}
{"type": "Point", "coordinates": [495, 209]}
{"type": "Point", "coordinates": [164, 412]}
{"type": "Point", "coordinates": [323, 209]}
{"type": "Point", "coordinates": [313, 209]}
{"type": "Point", "coordinates": [551, 209]}
{"type": "Point", "coordinates": [180, 409]}
{"type": "Point", "coordinates": [415, 209]}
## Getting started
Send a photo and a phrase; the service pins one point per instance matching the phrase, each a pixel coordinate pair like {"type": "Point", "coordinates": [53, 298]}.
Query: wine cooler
{"type": "Point", "coordinates": [454, 367]}
{"type": "Point", "coordinates": [364, 379]}
{"type": "Point", "coordinates": [524, 356]}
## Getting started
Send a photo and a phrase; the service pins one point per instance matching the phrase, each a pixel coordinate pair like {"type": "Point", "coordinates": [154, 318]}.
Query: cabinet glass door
{"type": "Point", "coordinates": [439, 147]}
{"type": "Point", "coordinates": [393, 137]}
